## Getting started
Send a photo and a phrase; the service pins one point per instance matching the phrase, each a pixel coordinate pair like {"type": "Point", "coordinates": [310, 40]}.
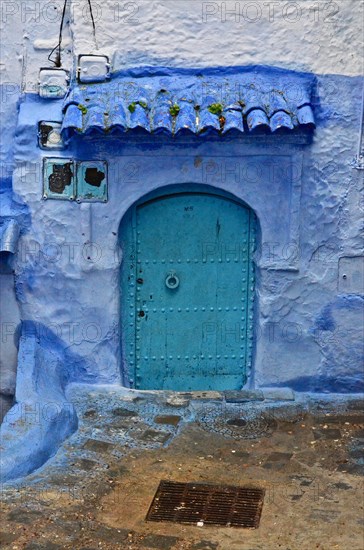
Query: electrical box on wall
{"type": "Point", "coordinates": [92, 181]}
{"type": "Point", "coordinates": [49, 135]}
{"type": "Point", "coordinates": [93, 68]}
{"type": "Point", "coordinates": [69, 180]}
{"type": "Point", "coordinates": [53, 83]}
{"type": "Point", "coordinates": [58, 179]}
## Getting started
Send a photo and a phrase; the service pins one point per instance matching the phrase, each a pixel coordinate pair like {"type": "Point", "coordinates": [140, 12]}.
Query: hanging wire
{"type": "Point", "coordinates": [57, 60]}
{"type": "Point", "coordinates": [92, 18]}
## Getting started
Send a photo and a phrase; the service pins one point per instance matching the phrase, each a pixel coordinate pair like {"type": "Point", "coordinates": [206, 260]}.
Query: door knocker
{"type": "Point", "coordinates": [172, 281]}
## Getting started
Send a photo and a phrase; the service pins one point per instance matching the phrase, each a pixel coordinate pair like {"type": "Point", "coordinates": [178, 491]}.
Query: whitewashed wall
{"type": "Point", "coordinates": [322, 37]}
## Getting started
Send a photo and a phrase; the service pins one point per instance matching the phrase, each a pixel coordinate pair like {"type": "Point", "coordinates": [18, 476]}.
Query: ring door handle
{"type": "Point", "coordinates": [172, 281]}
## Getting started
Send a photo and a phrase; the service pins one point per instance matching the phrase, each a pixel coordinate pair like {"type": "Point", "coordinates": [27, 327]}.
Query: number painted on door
{"type": "Point", "coordinates": [187, 300]}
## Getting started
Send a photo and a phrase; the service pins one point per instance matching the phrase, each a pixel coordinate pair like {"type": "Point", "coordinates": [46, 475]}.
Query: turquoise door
{"type": "Point", "coordinates": [187, 293]}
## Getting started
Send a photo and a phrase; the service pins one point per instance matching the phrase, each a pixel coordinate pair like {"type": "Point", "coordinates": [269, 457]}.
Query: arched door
{"type": "Point", "coordinates": [187, 291]}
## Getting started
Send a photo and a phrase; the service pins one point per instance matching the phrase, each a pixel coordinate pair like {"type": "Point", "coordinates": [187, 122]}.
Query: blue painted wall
{"type": "Point", "coordinates": [308, 205]}
{"type": "Point", "coordinates": [308, 307]}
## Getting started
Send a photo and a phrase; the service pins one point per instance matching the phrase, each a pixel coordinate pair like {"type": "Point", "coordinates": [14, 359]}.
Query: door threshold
{"type": "Point", "coordinates": [229, 396]}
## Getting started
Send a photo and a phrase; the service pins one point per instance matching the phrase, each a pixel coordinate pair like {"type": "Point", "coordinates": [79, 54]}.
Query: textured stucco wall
{"type": "Point", "coordinates": [322, 37]}
{"type": "Point", "coordinates": [308, 334]}
{"type": "Point", "coordinates": [319, 37]}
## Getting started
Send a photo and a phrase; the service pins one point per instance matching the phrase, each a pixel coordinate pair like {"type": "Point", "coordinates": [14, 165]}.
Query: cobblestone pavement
{"type": "Point", "coordinates": [95, 492]}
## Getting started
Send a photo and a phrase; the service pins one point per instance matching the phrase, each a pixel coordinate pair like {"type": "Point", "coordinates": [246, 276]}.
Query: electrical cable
{"type": "Point", "coordinates": [57, 61]}
{"type": "Point", "coordinates": [92, 18]}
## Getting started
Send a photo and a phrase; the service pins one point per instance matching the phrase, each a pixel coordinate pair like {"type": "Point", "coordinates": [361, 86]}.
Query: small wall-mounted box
{"type": "Point", "coordinates": [49, 135]}
{"type": "Point", "coordinates": [93, 68]}
{"type": "Point", "coordinates": [68, 179]}
{"type": "Point", "coordinates": [53, 83]}
{"type": "Point", "coordinates": [59, 179]}
{"type": "Point", "coordinates": [351, 275]}
{"type": "Point", "coordinates": [92, 181]}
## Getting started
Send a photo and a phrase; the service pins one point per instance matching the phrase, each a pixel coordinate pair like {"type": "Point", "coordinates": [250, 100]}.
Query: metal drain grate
{"type": "Point", "coordinates": [203, 504]}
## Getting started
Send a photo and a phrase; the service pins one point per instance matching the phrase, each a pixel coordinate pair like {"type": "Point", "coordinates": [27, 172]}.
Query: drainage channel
{"type": "Point", "coordinates": [201, 503]}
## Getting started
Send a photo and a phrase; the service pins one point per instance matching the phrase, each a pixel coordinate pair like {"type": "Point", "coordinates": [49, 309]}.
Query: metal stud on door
{"type": "Point", "coordinates": [194, 293]}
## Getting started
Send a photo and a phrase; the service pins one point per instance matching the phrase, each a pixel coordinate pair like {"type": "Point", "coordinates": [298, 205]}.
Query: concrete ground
{"type": "Point", "coordinates": [95, 492]}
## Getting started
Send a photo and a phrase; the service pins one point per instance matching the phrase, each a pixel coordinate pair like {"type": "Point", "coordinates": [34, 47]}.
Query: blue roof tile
{"type": "Point", "coordinates": [117, 118]}
{"type": "Point", "coordinates": [233, 116]}
{"type": "Point", "coordinates": [275, 102]}
{"type": "Point", "coordinates": [72, 120]}
{"type": "Point", "coordinates": [186, 120]}
{"type": "Point", "coordinates": [281, 120]}
{"type": "Point", "coordinates": [257, 119]}
{"type": "Point", "coordinates": [208, 121]}
{"type": "Point", "coordinates": [305, 116]}
{"type": "Point", "coordinates": [161, 119]}
{"type": "Point", "coordinates": [94, 118]}
{"type": "Point", "coordinates": [138, 117]}
{"type": "Point", "coordinates": [245, 101]}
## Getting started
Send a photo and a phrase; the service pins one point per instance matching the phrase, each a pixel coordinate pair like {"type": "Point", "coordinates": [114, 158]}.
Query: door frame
{"type": "Point", "coordinates": [127, 238]}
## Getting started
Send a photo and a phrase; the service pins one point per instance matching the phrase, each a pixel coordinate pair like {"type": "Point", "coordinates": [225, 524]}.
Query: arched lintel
{"type": "Point", "coordinates": [181, 188]}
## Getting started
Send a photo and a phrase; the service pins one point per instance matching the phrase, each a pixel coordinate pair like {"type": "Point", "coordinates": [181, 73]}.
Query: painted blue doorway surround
{"type": "Point", "coordinates": [187, 288]}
